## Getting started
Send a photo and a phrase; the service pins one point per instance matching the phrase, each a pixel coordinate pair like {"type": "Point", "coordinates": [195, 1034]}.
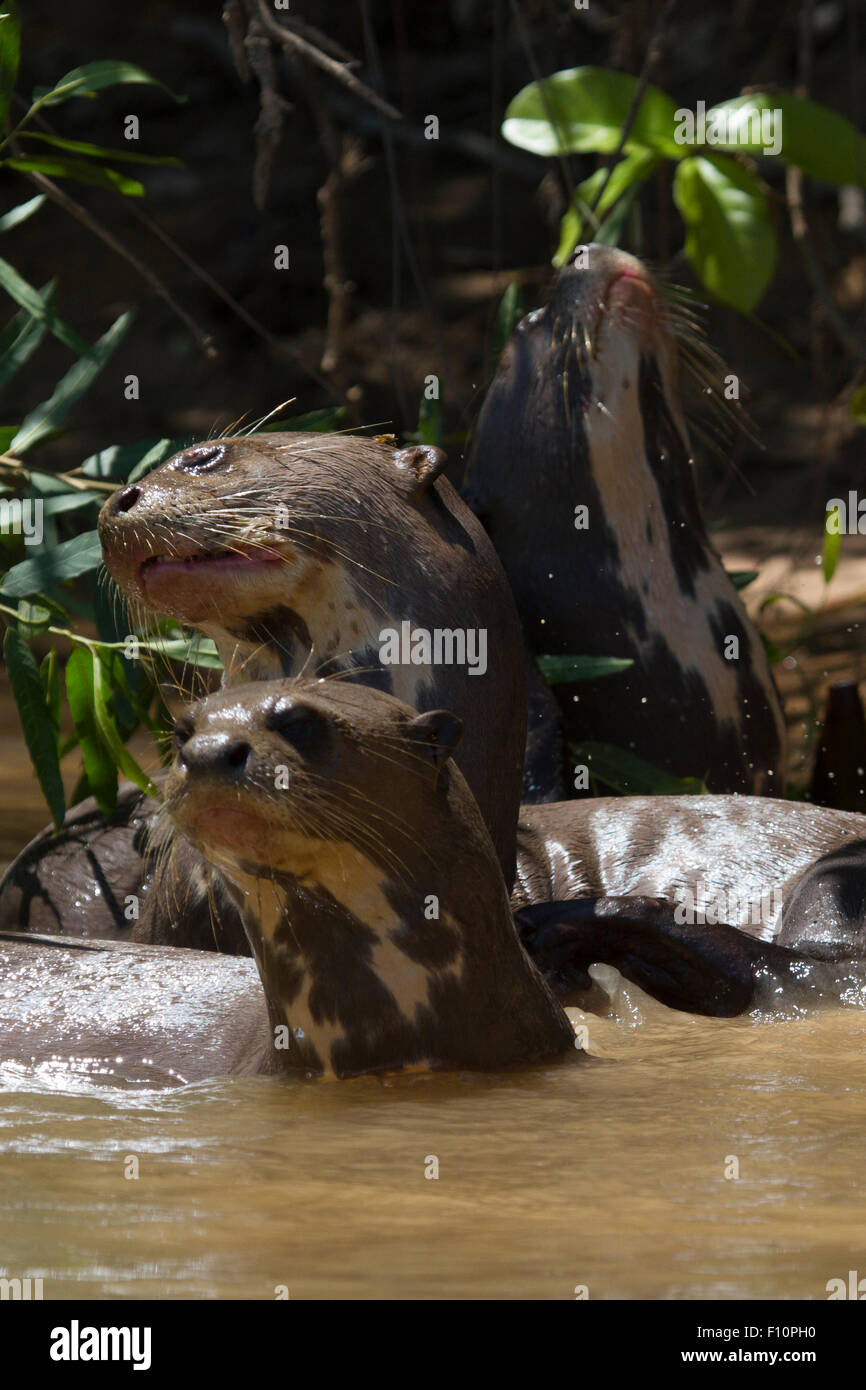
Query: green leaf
{"type": "Point", "coordinates": [741, 579]}
{"type": "Point", "coordinates": [36, 723]}
{"type": "Point", "coordinates": [14, 216]}
{"type": "Point", "coordinates": [99, 765]}
{"type": "Point", "coordinates": [153, 457]}
{"type": "Point", "coordinates": [630, 775]}
{"type": "Point", "coordinates": [39, 306]}
{"type": "Point", "coordinates": [94, 77]}
{"type": "Point", "coordinates": [49, 674]}
{"type": "Point", "coordinates": [10, 48]}
{"type": "Point", "coordinates": [814, 138]}
{"type": "Point", "coordinates": [71, 501]}
{"type": "Point", "coordinates": [557, 670]}
{"type": "Point", "coordinates": [508, 315]}
{"type": "Point", "coordinates": [111, 738]}
{"type": "Point", "coordinates": [832, 545]}
{"type": "Point", "coordinates": [96, 175]}
{"type": "Point", "coordinates": [73, 384]}
{"type": "Point", "coordinates": [613, 206]}
{"type": "Point", "coordinates": [730, 239]}
{"type": "Point", "coordinates": [65, 561]}
{"type": "Point", "coordinates": [429, 429]}
{"type": "Point", "coordinates": [18, 342]}
{"type": "Point", "coordinates": [589, 107]}
{"type": "Point", "coordinates": [127, 156]}
{"type": "Point", "coordinates": [125, 462]}
{"type": "Point", "coordinates": [33, 617]}
{"type": "Point", "coordinates": [858, 406]}
{"type": "Point", "coordinates": [774, 654]}
{"type": "Point", "coordinates": [193, 651]}
{"type": "Point", "coordinates": [777, 597]}
{"type": "Point", "coordinates": [630, 170]}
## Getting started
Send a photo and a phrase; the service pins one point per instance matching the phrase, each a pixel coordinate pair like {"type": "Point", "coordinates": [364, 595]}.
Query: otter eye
{"type": "Point", "coordinates": [531, 319]}
{"type": "Point", "coordinates": [184, 729]}
{"type": "Point", "coordinates": [304, 728]}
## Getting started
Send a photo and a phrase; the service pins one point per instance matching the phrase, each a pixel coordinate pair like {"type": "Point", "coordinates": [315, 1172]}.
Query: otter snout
{"type": "Point", "coordinates": [217, 754]}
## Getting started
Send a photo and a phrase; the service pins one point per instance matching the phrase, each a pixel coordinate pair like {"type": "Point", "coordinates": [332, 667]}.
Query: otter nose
{"type": "Point", "coordinates": [216, 753]}
{"type": "Point", "coordinates": [125, 500]}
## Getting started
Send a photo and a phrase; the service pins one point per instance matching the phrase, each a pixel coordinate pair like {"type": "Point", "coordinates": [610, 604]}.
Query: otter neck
{"type": "Point", "coordinates": [324, 622]}
{"type": "Point", "coordinates": [363, 972]}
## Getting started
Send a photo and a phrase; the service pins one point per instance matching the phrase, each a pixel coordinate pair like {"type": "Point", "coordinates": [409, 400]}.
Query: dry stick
{"type": "Point", "coordinates": [330, 200]}
{"type": "Point", "coordinates": [642, 84]}
{"type": "Point", "coordinates": [322, 41]}
{"type": "Point", "coordinates": [234, 20]}
{"type": "Point", "coordinates": [81, 214]}
{"type": "Point", "coordinates": [273, 108]}
{"type": "Point", "coordinates": [291, 39]}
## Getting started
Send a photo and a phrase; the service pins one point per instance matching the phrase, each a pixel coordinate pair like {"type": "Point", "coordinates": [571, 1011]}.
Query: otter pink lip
{"type": "Point", "coordinates": [160, 566]}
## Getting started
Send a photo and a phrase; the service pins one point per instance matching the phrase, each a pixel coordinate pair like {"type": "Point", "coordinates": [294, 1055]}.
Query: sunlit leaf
{"type": "Point", "coordinates": [95, 77]}
{"type": "Point", "coordinates": [19, 214]}
{"type": "Point", "coordinates": [65, 561]}
{"type": "Point", "coordinates": [96, 175]}
{"type": "Point", "coordinates": [36, 722]}
{"type": "Point", "coordinates": [72, 385]}
{"type": "Point", "coordinates": [589, 107]}
{"type": "Point", "coordinates": [39, 305]}
{"type": "Point", "coordinates": [730, 239]}
{"type": "Point", "coordinates": [128, 156]}
{"type": "Point", "coordinates": [99, 765]}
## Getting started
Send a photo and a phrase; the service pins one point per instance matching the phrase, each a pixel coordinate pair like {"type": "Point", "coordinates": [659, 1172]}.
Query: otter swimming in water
{"type": "Point", "coordinates": [367, 883]}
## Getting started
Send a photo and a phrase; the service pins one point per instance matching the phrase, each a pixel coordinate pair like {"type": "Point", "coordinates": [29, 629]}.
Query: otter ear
{"type": "Point", "coordinates": [438, 731]}
{"type": "Point", "coordinates": [421, 464]}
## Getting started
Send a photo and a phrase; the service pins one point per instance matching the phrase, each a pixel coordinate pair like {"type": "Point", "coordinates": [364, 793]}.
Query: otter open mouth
{"type": "Point", "coordinates": [156, 567]}
{"type": "Point", "coordinates": [193, 586]}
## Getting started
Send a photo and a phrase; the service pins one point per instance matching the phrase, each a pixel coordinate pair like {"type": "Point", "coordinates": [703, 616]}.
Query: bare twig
{"type": "Point", "coordinates": [322, 41]}
{"type": "Point", "coordinates": [233, 19]}
{"type": "Point", "coordinates": [273, 108]}
{"type": "Point", "coordinates": [290, 38]}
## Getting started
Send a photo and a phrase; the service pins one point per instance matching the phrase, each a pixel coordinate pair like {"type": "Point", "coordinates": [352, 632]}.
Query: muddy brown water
{"type": "Point", "coordinates": [612, 1173]}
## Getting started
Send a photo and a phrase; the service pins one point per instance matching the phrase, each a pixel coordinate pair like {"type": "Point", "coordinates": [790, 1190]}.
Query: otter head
{"type": "Point", "coordinates": [268, 543]}
{"type": "Point", "coordinates": [609, 333]}
{"type": "Point", "coordinates": [306, 778]}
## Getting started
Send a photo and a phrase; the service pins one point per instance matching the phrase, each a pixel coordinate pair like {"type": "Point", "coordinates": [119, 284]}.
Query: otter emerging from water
{"type": "Point", "coordinates": [580, 470]}
{"type": "Point", "coordinates": [367, 884]}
